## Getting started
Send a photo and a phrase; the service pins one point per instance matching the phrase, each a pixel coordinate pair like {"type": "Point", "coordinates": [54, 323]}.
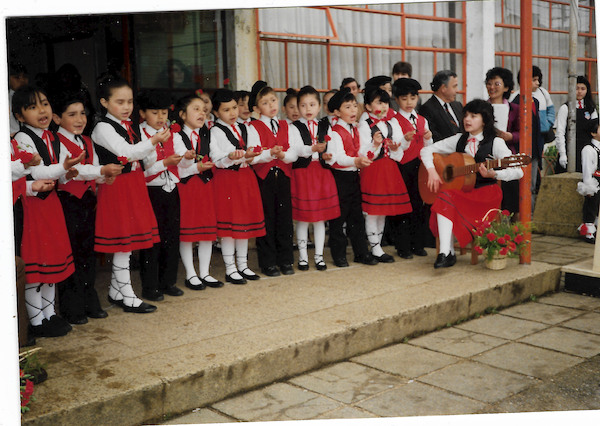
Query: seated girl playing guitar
{"type": "Point", "coordinates": [455, 211]}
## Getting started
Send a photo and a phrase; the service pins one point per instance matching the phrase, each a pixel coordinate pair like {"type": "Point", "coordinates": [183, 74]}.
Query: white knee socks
{"type": "Point", "coordinates": [228, 251]}
{"type": "Point", "coordinates": [33, 303]}
{"type": "Point", "coordinates": [374, 226]}
{"type": "Point", "coordinates": [302, 240]}
{"type": "Point", "coordinates": [204, 256]}
{"type": "Point", "coordinates": [445, 234]}
{"type": "Point", "coordinates": [120, 283]}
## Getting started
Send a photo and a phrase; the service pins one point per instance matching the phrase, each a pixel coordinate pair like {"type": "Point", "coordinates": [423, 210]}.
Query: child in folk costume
{"type": "Point", "coordinates": [233, 147]}
{"type": "Point", "coordinates": [196, 189]}
{"type": "Point", "coordinates": [590, 187]}
{"type": "Point", "coordinates": [208, 107]}
{"type": "Point", "coordinates": [329, 120]}
{"type": "Point", "coordinates": [290, 106]}
{"type": "Point", "coordinates": [78, 297]}
{"type": "Point", "coordinates": [455, 211]}
{"type": "Point", "coordinates": [314, 194]}
{"type": "Point", "coordinates": [383, 190]}
{"type": "Point", "coordinates": [159, 263]}
{"type": "Point", "coordinates": [383, 82]}
{"type": "Point", "coordinates": [344, 146]}
{"type": "Point", "coordinates": [242, 97]}
{"type": "Point", "coordinates": [45, 247]}
{"type": "Point", "coordinates": [410, 229]}
{"type": "Point", "coordinates": [125, 220]}
{"type": "Point", "coordinates": [276, 248]}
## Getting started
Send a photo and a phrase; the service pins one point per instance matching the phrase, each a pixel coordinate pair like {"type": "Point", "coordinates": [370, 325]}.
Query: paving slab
{"type": "Point", "coordinates": [529, 360]}
{"type": "Point", "coordinates": [197, 417]}
{"type": "Point", "coordinates": [405, 360]}
{"type": "Point", "coordinates": [279, 401]}
{"type": "Point", "coordinates": [544, 313]}
{"type": "Point", "coordinates": [572, 300]}
{"type": "Point", "coordinates": [502, 326]}
{"type": "Point", "coordinates": [478, 381]}
{"type": "Point", "coordinates": [347, 382]}
{"type": "Point", "coordinates": [566, 340]}
{"type": "Point", "coordinates": [454, 341]}
{"type": "Point", "coordinates": [346, 413]}
{"type": "Point", "coordinates": [589, 322]}
{"type": "Point", "coordinates": [418, 399]}
{"type": "Point", "coordinates": [556, 257]}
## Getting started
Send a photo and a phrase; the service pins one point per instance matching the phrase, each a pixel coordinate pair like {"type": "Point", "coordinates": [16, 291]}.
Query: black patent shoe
{"type": "Point", "coordinates": [341, 262]}
{"type": "Point", "coordinates": [271, 271]}
{"type": "Point", "coordinates": [303, 265]}
{"type": "Point", "coordinates": [251, 277]}
{"type": "Point", "coordinates": [444, 261]}
{"type": "Point", "coordinates": [173, 290]}
{"type": "Point", "coordinates": [77, 320]}
{"type": "Point", "coordinates": [191, 286]}
{"type": "Point", "coordinates": [419, 252]}
{"type": "Point", "coordinates": [100, 313]}
{"type": "Point", "coordinates": [212, 284]}
{"type": "Point", "coordinates": [232, 280]}
{"type": "Point", "coordinates": [154, 295]}
{"type": "Point", "coordinates": [405, 254]}
{"type": "Point", "coordinates": [367, 259]}
{"type": "Point", "coordinates": [287, 269]}
{"type": "Point", "coordinates": [385, 258]}
{"type": "Point", "coordinates": [144, 308]}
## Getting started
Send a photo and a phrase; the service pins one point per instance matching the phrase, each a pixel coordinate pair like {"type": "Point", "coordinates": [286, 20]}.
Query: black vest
{"type": "Point", "coordinates": [483, 153]}
{"type": "Point", "coordinates": [234, 141]}
{"type": "Point", "coordinates": [303, 162]}
{"type": "Point", "coordinates": [582, 136]}
{"type": "Point", "coordinates": [42, 149]}
{"type": "Point", "coordinates": [202, 148]}
{"type": "Point", "coordinates": [322, 128]}
{"type": "Point", "coordinates": [107, 157]}
{"type": "Point", "coordinates": [375, 129]}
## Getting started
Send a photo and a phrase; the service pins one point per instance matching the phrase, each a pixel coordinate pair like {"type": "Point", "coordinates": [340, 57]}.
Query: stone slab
{"type": "Point", "coordinates": [454, 341]}
{"type": "Point", "coordinates": [566, 340]}
{"type": "Point", "coordinates": [198, 417]}
{"type": "Point", "coordinates": [571, 300]}
{"type": "Point", "coordinates": [502, 326]}
{"type": "Point", "coordinates": [544, 313]}
{"type": "Point", "coordinates": [589, 322]}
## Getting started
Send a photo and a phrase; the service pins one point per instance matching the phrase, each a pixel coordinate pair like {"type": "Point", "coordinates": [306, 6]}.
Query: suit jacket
{"type": "Point", "coordinates": [439, 122]}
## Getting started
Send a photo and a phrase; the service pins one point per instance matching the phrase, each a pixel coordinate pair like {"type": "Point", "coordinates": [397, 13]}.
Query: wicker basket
{"type": "Point", "coordinates": [496, 263]}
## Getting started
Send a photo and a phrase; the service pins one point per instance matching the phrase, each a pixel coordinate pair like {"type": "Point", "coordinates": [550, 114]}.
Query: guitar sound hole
{"type": "Point", "coordinates": [448, 174]}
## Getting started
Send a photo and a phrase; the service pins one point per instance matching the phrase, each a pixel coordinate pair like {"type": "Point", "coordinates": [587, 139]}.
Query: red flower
{"type": "Point", "coordinates": [257, 148]}
{"type": "Point", "coordinates": [487, 224]}
{"type": "Point", "coordinates": [512, 246]}
{"type": "Point", "coordinates": [123, 160]}
{"type": "Point", "coordinates": [25, 156]}
{"type": "Point", "coordinates": [327, 138]}
{"type": "Point", "coordinates": [172, 107]}
{"type": "Point", "coordinates": [503, 251]}
{"type": "Point", "coordinates": [507, 237]}
{"type": "Point", "coordinates": [515, 228]}
{"type": "Point", "coordinates": [199, 92]}
{"type": "Point", "coordinates": [519, 239]}
{"type": "Point", "coordinates": [478, 249]}
{"type": "Point", "coordinates": [501, 240]}
{"type": "Point", "coordinates": [226, 81]}
{"type": "Point", "coordinates": [175, 128]}
{"type": "Point", "coordinates": [370, 155]}
{"type": "Point", "coordinates": [505, 212]}
{"type": "Point", "coordinates": [491, 237]}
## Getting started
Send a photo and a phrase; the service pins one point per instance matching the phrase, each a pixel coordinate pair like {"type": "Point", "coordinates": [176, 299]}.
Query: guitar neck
{"type": "Point", "coordinates": [472, 168]}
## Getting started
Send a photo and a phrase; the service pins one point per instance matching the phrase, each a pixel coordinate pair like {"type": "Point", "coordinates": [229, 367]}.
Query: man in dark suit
{"type": "Point", "coordinates": [442, 111]}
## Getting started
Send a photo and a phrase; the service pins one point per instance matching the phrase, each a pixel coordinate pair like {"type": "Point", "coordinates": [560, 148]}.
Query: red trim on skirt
{"type": "Point", "coordinates": [125, 220]}
{"type": "Point", "coordinates": [198, 217]}
{"type": "Point", "coordinates": [383, 190]}
{"type": "Point", "coordinates": [314, 194]}
{"type": "Point", "coordinates": [238, 204]}
{"type": "Point", "coordinates": [463, 209]}
{"type": "Point", "coordinates": [45, 248]}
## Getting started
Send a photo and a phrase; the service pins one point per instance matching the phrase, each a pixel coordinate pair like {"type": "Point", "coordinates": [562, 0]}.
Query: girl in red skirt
{"type": "Point", "coordinates": [124, 219]}
{"type": "Point", "coordinates": [198, 217]}
{"type": "Point", "coordinates": [455, 211]}
{"type": "Point", "coordinates": [237, 198]}
{"type": "Point", "coordinates": [381, 184]}
{"type": "Point", "coordinates": [314, 194]}
{"type": "Point", "coordinates": [45, 247]}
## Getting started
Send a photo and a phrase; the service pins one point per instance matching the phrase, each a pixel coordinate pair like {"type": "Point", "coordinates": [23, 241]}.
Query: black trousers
{"type": "Point", "coordinates": [410, 229]}
{"type": "Point", "coordinates": [77, 294]}
{"type": "Point", "coordinates": [159, 263]}
{"type": "Point", "coordinates": [277, 246]}
{"type": "Point", "coordinates": [348, 187]}
{"type": "Point", "coordinates": [18, 225]}
{"type": "Point", "coordinates": [590, 207]}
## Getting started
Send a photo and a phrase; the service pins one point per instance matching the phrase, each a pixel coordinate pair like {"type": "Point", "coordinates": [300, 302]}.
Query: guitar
{"type": "Point", "coordinates": [458, 171]}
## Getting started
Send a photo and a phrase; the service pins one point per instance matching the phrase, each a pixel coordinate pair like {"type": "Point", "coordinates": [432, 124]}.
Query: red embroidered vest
{"type": "Point", "coordinates": [269, 140]}
{"type": "Point", "coordinates": [78, 187]}
{"type": "Point", "coordinates": [416, 144]}
{"type": "Point", "coordinates": [351, 146]}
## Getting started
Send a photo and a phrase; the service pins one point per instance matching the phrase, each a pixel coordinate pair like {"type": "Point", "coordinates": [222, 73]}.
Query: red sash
{"type": "Point", "coordinates": [78, 187]}
{"type": "Point", "coordinates": [269, 140]}
{"type": "Point", "coordinates": [351, 144]}
{"type": "Point", "coordinates": [163, 151]}
{"type": "Point", "coordinates": [416, 144]}
{"type": "Point", "coordinates": [19, 186]}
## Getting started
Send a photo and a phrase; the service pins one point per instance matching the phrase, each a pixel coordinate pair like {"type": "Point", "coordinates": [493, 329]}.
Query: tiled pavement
{"type": "Point", "coordinates": [542, 355]}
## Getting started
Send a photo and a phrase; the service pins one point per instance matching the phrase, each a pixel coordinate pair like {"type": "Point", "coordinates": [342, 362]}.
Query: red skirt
{"type": "Point", "coordinates": [238, 204]}
{"type": "Point", "coordinates": [383, 190]}
{"type": "Point", "coordinates": [463, 209]}
{"type": "Point", "coordinates": [45, 248]}
{"type": "Point", "coordinates": [198, 217]}
{"type": "Point", "coordinates": [125, 220]}
{"type": "Point", "coordinates": [314, 194]}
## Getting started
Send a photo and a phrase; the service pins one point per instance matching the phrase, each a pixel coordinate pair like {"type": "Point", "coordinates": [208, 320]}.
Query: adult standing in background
{"type": "Point", "coordinates": [401, 70]}
{"type": "Point", "coordinates": [442, 111]}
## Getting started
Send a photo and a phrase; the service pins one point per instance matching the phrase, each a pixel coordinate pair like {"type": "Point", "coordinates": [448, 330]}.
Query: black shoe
{"type": "Point", "coordinates": [77, 320]}
{"type": "Point", "coordinates": [341, 262]}
{"type": "Point", "coordinates": [251, 277]}
{"type": "Point", "coordinates": [303, 265]}
{"type": "Point", "coordinates": [321, 265]}
{"type": "Point", "coordinates": [154, 295]}
{"type": "Point", "coordinates": [590, 240]}
{"type": "Point", "coordinates": [384, 258]}
{"type": "Point", "coordinates": [173, 290]}
{"type": "Point", "coordinates": [367, 259]}
{"type": "Point", "coordinates": [47, 329]}
{"type": "Point", "coordinates": [212, 284]}
{"type": "Point", "coordinates": [271, 271]}
{"type": "Point", "coordinates": [444, 261]}
{"type": "Point", "coordinates": [144, 308]}
{"type": "Point", "coordinates": [191, 286]}
{"type": "Point", "coordinates": [287, 269]}
{"type": "Point", "coordinates": [405, 254]}
{"type": "Point", "coordinates": [231, 280]}
{"type": "Point", "coordinates": [59, 322]}
{"type": "Point", "coordinates": [419, 252]}
{"type": "Point", "coordinates": [100, 313]}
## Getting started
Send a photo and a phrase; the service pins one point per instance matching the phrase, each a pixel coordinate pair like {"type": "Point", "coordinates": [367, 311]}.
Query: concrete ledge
{"type": "Point", "coordinates": [558, 205]}
{"type": "Point", "coordinates": [128, 369]}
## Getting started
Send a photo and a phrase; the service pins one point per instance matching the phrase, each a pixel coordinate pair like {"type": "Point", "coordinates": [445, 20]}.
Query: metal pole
{"type": "Point", "coordinates": [525, 104]}
{"type": "Point", "coordinates": [571, 148]}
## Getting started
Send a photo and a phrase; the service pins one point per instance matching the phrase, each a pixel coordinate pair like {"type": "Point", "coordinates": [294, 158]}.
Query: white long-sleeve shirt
{"type": "Point", "coordinates": [220, 146]}
{"type": "Point", "coordinates": [366, 138]}
{"type": "Point", "coordinates": [561, 127]}
{"type": "Point", "coordinates": [589, 165]}
{"type": "Point", "coordinates": [53, 171]}
{"type": "Point", "coordinates": [407, 115]}
{"type": "Point", "coordinates": [86, 171]}
{"type": "Point", "coordinates": [297, 144]}
{"type": "Point", "coordinates": [336, 148]}
{"type": "Point", "coordinates": [165, 179]}
{"type": "Point", "coordinates": [290, 155]}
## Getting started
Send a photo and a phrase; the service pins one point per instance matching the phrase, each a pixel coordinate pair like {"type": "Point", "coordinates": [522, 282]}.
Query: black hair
{"type": "Point", "coordinates": [441, 78]}
{"type": "Point", "coordinates": [589, 106]}
{"type": "Point", "coordinates": [402, 68]}
{"type": "Point", "coordinates": [240, 94]}
{"type": "Point", "coordinates": [106, 83]}
{"type": "Point", "coordinates": [61, 101]}
{"type": "Point", "coordinates": [336, 101]}
{"type": "Point", "coordinates": [16, 69]}
{"type": "Point", "coordinates": [406, 86]}
{"type": "Point", "coordinates": [154, 99]}
{"type": "Point", "coordinates": [24, 97]}
{"type": "Point", "coordinates": [182, 103]}
{"type": "Point", "coordinates": [290, 94]}
{"type": "Point", "coordinates": [536, 72]}
{"type": "Point", "coordinates": [374, 93]}
{"type": "Point", "coordinates": [507, 78]}
{"type": "Point", "coordinates": [221, 96]}
{"type": "Point", "coordinates": [479, 106]}
{"type": "Point", "coordinates": [309, 90]}
{"type": "Point", "coordinates": [592, 126]}
{"type": "Point", "coordinates": [256, 88]}
{"type": "Point", "coordinates": [348, 80]}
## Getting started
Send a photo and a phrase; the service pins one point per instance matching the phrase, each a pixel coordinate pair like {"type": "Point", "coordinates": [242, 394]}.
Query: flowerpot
{"type": "Point", "coordinates": [496, 263]}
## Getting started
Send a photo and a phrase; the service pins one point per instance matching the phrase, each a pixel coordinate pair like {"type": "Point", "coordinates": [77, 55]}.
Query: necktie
{"type": "Point", "coordinates": [274, 126]}
{"type": "Point", "coordinates": [580, 105]}
{"type": "Point", "coordinates": [239, 137]}
{"type": "Point", "coordinates": [355, 138]}
{"type": "Point", "coordinates": [471, 147]}
{"type": "Point", "coordinates": [47, 137]}
{"type": "Point", "coordinates": [450, 115]}
{"type": "Point", "coordinates": [414, 120]}
{"type": "Point", "coordinates": [127, 124]}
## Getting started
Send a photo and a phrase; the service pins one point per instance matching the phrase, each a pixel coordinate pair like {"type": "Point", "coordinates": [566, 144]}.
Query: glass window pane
{"type": "Point", "coordinates": [307, 64]}
{"type": "Point", "coordinates": [423, 67]}
{"type": "Point", "coordinates": [272, 63]}
{"type": "Point", "coordinates": [433, 34]}
{"type": "Point", "coordinates": [347, 62]}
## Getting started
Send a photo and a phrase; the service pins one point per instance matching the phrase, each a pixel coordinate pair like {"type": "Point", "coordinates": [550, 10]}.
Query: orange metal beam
{"type": "Point", "coordinates": [550, 30]}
